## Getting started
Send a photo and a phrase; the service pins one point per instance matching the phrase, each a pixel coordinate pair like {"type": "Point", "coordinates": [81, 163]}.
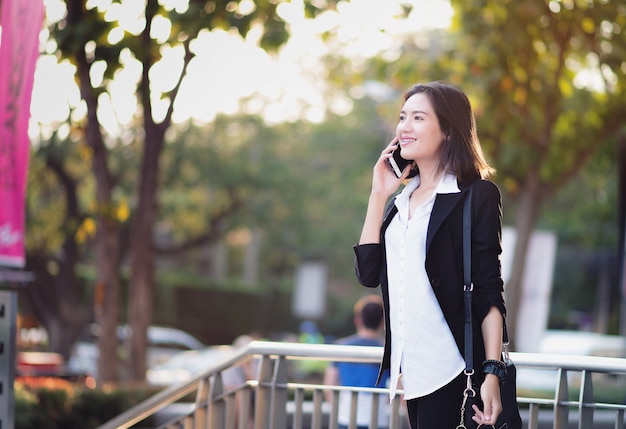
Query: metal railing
{"type": "Point", "coordinates": [274, 401]}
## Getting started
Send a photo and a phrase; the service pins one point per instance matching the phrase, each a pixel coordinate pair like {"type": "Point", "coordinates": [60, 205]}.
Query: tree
{"type": "Point", "coordinates": [524, 65]}
{"type": "Point", "coordinates": [84, 38]}
{"type": "Point", "coordinates": [297, 183]}
{"type": "Point", "coordinates": [539, 121]}
{"type": "Point", "coordinates": [57, 230]}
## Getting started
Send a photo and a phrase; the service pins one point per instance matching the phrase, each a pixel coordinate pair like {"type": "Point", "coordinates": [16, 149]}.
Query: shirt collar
{"type": "Point", "coordinates": [447, 185]}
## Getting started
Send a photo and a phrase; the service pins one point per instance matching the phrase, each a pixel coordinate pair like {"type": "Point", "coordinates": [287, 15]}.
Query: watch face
{"type": "Point", "coordinates": [492, 368]}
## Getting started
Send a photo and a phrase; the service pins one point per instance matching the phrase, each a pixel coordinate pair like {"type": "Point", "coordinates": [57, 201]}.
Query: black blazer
{"type": "Point", "coordinates": [444, 261]}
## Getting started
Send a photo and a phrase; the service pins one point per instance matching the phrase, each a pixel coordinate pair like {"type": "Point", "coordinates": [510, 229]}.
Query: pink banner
{"type": "Point", "coordinates": [21, 22]}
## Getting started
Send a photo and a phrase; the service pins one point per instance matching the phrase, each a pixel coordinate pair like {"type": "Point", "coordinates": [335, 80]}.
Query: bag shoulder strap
{"type": "Point", "coordinates": [468, 286]}
{"type": "Point", "coordinates": [467, 280]}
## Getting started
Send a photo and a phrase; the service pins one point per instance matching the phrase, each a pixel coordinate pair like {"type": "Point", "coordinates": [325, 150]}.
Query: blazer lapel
{"type": "Point", "coordinates": [444, 204]}
{"type": "Point", "coordinates": [390, 212]}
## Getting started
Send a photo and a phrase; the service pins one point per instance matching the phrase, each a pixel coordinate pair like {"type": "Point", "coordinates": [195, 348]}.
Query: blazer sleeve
{"type": "Point", "coordinates": [486, 249]}
{"type": "Point", "coordinates": [368, 263]}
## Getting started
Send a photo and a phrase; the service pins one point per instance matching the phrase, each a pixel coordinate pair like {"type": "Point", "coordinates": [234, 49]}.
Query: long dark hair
{"type": "Point", "coordinates": [461, 153]}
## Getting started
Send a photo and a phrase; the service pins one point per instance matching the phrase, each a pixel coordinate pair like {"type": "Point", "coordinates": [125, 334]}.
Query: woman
{"type": "Point", "coordinates": [412, 247]}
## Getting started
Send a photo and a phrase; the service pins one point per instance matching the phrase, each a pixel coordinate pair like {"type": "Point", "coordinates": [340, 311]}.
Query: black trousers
{"type": "Point", "coordinates": [439, 410]}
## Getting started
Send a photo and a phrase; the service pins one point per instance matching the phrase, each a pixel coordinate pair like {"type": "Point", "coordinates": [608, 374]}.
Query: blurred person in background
{"type": "Point", "coordinates": [368, 321]}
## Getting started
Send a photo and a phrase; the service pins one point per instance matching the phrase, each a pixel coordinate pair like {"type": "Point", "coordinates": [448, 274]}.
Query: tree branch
{"type": "Point", "coordinates": [212, 234]}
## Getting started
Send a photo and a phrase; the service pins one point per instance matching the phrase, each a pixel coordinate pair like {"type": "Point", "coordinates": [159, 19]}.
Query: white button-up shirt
{"type": "Point", "coordinates": [422, 345]}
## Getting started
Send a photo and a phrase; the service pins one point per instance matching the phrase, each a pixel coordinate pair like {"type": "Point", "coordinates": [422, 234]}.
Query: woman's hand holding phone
{"type": "Point", "coordinates": [398, 164]}
{"type": "Point", "coordinates": [385, 181]}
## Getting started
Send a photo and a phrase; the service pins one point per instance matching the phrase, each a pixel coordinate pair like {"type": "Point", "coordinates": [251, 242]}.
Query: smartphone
{"type": "Point", "coordinates": [398, 163]}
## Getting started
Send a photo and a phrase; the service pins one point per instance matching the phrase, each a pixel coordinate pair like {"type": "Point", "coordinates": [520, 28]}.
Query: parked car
{"type": "Point", "coordinates": [184, 365]}
{"type": "Point", "coordinates": [579, 343]}
{"type": "Point", "coordinates": [163, 343]}
{"type": "Point", "coordinates": [582, 343]}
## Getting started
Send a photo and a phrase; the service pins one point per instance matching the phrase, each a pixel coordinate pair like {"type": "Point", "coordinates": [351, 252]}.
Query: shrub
{"type": "Point", "coordinates": [42, 403]}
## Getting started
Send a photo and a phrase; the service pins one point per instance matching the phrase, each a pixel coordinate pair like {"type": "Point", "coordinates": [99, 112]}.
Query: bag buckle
{"type": "Point", "coordinates": [469, 392]}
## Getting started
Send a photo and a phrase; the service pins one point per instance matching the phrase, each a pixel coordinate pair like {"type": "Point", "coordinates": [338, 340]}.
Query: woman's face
{"type": "Point", "coordinates": [418, 130]}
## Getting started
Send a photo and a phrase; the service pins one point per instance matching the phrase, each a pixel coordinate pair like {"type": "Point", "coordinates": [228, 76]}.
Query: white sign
{"type": "Point", "coordinates": [534, 305]}
{"type": "Point", "coordinates": [309, 297]}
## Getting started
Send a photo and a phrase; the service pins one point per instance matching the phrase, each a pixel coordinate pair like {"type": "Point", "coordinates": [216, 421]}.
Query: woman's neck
{"type": "Point", "coordinates": [430, 175]}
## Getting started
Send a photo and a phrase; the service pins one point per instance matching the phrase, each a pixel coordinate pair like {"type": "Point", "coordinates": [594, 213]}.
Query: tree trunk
{"type": "Point", "coordinates": [45, 298]}
{"type": "Point", "coordinates": [107, 236]}
{"type": "Point", "coordinates": [108, 298]}
{"type": "Point", "coordinates": [72, 315]}
{"type": "Point", "coordinates": [529, 202]}
{"type": "Point", "coordinates": [142, 248]}
{"type": "Point", "coordinates": [107, 245]}
{"type": "Point", "coordinates": [143, 251]}
{"type": "Point", "coordinates": [142, 269]}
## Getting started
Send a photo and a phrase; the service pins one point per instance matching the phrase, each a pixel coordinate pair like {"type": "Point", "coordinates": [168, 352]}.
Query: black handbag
{"type": "Point", "coordinates": [510, 416]}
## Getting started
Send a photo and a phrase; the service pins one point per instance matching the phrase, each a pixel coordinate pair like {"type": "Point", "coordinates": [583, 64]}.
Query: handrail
{"type": "Point", "coordinates": [569, 362]}
{"type": "Point", "coordinates": [214, 406]}
{"type": "Point", "coordinates": [173, 393]}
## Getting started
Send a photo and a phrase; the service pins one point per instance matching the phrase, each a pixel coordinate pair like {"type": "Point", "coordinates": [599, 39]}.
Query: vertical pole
{"type": "Point", "coordinates": [263, 397]}
{"type": "Point", "coordinates": [8, 328]}
{"type": "Point", "coordinates": [280, 377]}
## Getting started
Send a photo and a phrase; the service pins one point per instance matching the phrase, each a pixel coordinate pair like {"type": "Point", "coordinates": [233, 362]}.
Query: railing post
{"type": "Point", "coordinates": [202, 402]}
{"type": "Point", "coordinates": [278, 416]}
{"type": "Point", "coordinates": [263, 400]}
{"type": "Point", "coordinates": [533, 416]}
{"type": "Point", "coordinates": [188, 423]}
{"type": "Point", "coordinates": [231, 416]}
{"type": "Point", "coordinates": [298, 401]}
{"type": "Point", "coordinates": [316, 417]}
{"type": "Point", "coordinates": [394, 421]}
{"type": "Point", "coordinates": [243, 414]}
{"type": "Point", "coordinates": [354, 402]}
{"type": "Point", "coordinates": [375, 410]}
{"type": "Point", "coordinates": [585, 414]}
{"type": "Point", "coordinates": [217, 404]}
{"type": "Point", "coordinates": [334, 410]}
{"type": "Point", "coordinates": [561, 409]}
{"type": "Point", "coordinates": [619, 419]}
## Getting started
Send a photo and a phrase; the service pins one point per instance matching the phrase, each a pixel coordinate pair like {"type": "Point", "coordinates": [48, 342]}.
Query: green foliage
{"type": "Point", "coordinates": [86, 29]}
{"type": "Point", "coordinates": [584, 211]}
{"type": "Point", "coordinates": [523, 64]}
{"type": "Point", "coordinates": [56, 168]}
{"type": "Point", "coordinates": [69, 408]}
{"type": "Point", "coordinates": [525, 58]}
{"type": "Point", "coordinates": [305, 186]}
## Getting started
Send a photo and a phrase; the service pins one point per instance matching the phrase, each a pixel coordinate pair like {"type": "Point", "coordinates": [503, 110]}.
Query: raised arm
{"type": "Point", "coordinates": [384, 183]}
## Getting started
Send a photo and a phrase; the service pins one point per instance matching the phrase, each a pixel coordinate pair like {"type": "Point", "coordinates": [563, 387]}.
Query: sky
{"type": "Point", "coordinates": [287, 85]}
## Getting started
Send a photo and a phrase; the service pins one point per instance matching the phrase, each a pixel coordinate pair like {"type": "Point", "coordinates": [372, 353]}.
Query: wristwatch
{"type": "Point", "coordinates": [495, 367]}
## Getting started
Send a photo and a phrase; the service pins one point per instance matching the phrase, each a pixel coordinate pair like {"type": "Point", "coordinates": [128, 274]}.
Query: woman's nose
{"type": "Point", "coordinates": [405, 126]}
